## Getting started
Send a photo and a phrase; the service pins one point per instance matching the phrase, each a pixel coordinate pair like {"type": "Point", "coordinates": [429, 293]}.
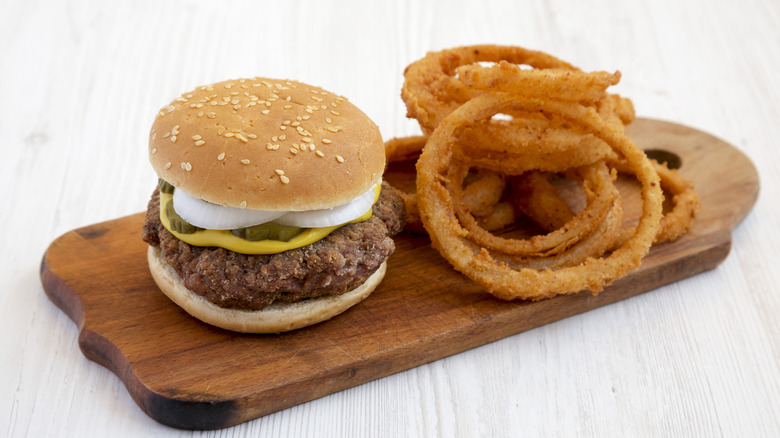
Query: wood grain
{"type": "Point", "coordinates": [189, 375]}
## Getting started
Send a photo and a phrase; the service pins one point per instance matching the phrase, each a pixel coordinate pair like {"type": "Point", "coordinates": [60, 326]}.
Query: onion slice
{"type": "Point", "coordinates": [329, 217]}
{"type": "Point", "coordinates": [204, 214]}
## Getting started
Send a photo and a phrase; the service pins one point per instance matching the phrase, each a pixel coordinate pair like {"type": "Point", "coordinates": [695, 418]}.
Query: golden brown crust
{"type": "Point", "coordinates": [266, 144]}
{"type": "Point", "coordinates": [276, 318]}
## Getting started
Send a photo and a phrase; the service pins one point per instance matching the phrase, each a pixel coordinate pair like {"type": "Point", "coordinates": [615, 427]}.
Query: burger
{"type": "Point", "coordinates": [270, 213]}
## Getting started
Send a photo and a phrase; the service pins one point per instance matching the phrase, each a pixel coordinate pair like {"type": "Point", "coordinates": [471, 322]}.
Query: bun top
{"type": "Point", "coordinates": [266, 144]}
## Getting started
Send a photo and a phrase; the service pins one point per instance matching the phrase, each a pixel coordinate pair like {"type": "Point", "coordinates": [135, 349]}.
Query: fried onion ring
{"type": "Point", "coordinates": [563, 84]}
{"type": "Point", "coordinates": [449, 237]}
{"type": "Point", "coordinates": [598, 186]}
{"type": "Point", "coordinates": [685, 201]}
{"type": "Point", "coordinates": [431, 91]}
{"type": "Point", "coordinates": [534, 196]}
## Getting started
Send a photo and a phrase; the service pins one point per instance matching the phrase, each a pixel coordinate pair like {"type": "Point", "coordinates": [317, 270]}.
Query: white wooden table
{"type": "Point", "coordinates": [81, 81]}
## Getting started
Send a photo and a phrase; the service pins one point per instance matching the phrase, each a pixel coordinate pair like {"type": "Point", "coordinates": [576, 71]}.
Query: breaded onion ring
{"type": "Point", "coordinates": [448, 236]}
{"type": "Point", "coordinates": [571, 85]}
{"type": "Point", "coordinates": [534, 196]}
{"type": "Point", "coordinates": [685, 201]}
{"type": "Point", "coordinates": [431, 90]}
{"type": "Point", "coordinates": [601, 192]}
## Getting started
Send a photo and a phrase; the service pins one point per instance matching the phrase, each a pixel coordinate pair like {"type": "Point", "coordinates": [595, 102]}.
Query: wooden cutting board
{"type": "Point", "coordinates": [186, 374]}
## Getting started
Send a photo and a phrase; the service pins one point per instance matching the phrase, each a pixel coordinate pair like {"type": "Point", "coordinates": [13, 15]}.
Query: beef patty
{"type": "Point", "coordinates": [332, 266]}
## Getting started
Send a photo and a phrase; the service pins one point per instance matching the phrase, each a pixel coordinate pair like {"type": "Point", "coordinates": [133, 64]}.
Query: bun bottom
{"type": "Point", "coordinates": [276, 318]}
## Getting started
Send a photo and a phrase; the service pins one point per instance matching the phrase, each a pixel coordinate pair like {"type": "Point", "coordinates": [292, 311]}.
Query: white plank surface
{"type": "Point", "coordinates": [81, 81]}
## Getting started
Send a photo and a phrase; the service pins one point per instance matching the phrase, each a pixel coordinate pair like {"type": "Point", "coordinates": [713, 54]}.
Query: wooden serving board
{"type": "Point", "coordinates": [186, 374]}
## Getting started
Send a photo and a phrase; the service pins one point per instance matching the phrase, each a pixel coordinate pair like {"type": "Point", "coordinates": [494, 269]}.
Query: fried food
{"type": "Point", "coordinates": [498, 123]}
{"type": "Point", "coordinates": [685, 201]}
{"type": "Point", "coordinates": [448, 235]}
{"type": "Point", "coordinates": [601, 192]}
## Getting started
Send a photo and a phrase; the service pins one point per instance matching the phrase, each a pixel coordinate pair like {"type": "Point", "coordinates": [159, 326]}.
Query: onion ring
{"type": "Point", "coordinates": [447, 234]}
{"type": "Point", "coordinates": [404, 148]}
{"type": "Point", "coordinates": [601, 193]}
{"type": "Point", "coordinates": [484, 193]}
{"type": "Point", "coordinates": [559, 83]}
{"type": "Point", "coordinates": [534, 196]}
{"type": "Point", "coordinates": [431, 90]}
{"type": "Point", "coordinates": [685, 201]}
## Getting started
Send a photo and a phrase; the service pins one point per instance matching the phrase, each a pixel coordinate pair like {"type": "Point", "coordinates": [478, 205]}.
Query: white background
{"type": "Point", "coordinates": [80, 83]}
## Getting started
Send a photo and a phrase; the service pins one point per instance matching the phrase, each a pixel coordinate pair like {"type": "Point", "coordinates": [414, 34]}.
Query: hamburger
{"type": "Point", "coordinates": [270, 212]}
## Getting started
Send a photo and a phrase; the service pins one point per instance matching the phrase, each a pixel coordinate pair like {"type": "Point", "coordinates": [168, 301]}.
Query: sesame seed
{"type": "Point", "coordinates": [306, 140]}
{"type": "Point", "coordinates": [327, 119]}
{"type": "Point", "coordinates": [245, 161]}
{"type": "Point", "coordinates": [183, 165]}
{"type": "Point", "coordinates": [252, 136]}
{"type": "Point", "coordinates": [335, 113]}
{"type": "Point", "coordinates": [200, 143]}
{"type": "Point", "coordinates": [173, 138]}
{"type": "Point", "coordinates": [282, 127]}
{"type": "Point", "coordinates": [320, 154]}
{"type": "Point", "coordinates": [175, 130]}
{"type": "Point", "coordinates": [311, 147]}
{"type": "Point", "coordinates": [200, 113]}
{"type": "Point", "coordinates": [332, 129]}
{"type": "Point", "coordinates": [221, 156]}
{"type": "Point", "coordinates": [265, 111]}
{"type": "Point", "coordinates": [275, 138]}
{"type": "Point", "coordinates": [166, 135]}
{"type": "Point", "coordinates": [154, 150]}
{"type": "Point", "coordinates": [326, 141]}
{"type": "Point", "coordinates": [211, 115]}
{"type": "Point", "coordinates": [294, 151]}
{"type": "Point", "coordinates": [284, 179]}
{"type": "Point", "coordinates": [242, 204]}
{"type": "Point", "coordinates": [339, 158]}
{"type": "Point", "coordinates": [167, 165]}
{"type": "Point", "coordinates": [282, 137]}
{"type": "Point", "coordinates": [287, 106]}
{"type": "Point", "coordinates": [279, 171]}
{"type": "Point", "coordinates": [242, 138]}
{"type": "Point", "coordinates": [188, 167]}
{"type": "Point", "coordinates": [229, 134]}
{"type": "Point", "coordinates": [196, 137]}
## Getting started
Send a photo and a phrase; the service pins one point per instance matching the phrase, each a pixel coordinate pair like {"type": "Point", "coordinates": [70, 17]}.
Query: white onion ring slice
{"type": "Point", "coordinates": [217, 217]}
{"type": "Point", "coordinates": [330, 216]}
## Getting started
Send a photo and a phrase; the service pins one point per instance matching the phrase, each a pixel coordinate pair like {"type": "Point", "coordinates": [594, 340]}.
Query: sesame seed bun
{"type": "Point", "coordinates": [266, 144]}
{"type": "Point", "coordinates": [276, 318]}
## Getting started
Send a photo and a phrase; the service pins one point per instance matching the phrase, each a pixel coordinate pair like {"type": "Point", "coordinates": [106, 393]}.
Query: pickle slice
{"type": "Point", "coordinates": [267, 231]}
{"type": "Point", "coordinates": [177, 223]}
{"type": "Point", "coordinates": [165, 186]}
